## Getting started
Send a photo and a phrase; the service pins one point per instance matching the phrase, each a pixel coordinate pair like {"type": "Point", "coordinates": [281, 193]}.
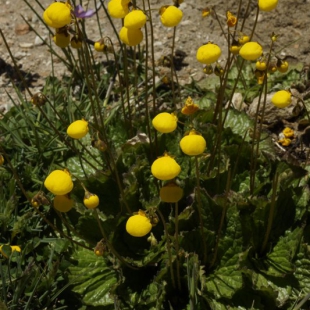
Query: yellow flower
{"type": "Point", "coordinates": [165, 122]}
{"type": "Point", "coordinates": [251, 51]}
{"type": "Point", "coordinates": [57, 15]}
{"type": "Point", "coordinates": [282, 99]}
{"type": "Point", "coordinates": [206, 12]}
{"type": "Point", "coordinates": [208, 69]}
{"type": "Point", "coordinates": [170, 16]}
{"type": "Point", "coordinates": [260, 79]}
{"type": "Point", "coordinates": [91, 201]}
{"type": "Point", "coordinates": [61, 39]}
{"type": "Point", "coordinates": [288, 132]}
{"type": "Point", "coordinates": [78, 129]}
{"type": "Point", "coordinates": [193, 144]}
{"type": "Point", "coordinates": [131, 37]}
{"type": "Point", "coordinates": [231, 19]}
{"type": "Point", "coordinates": [282, 65]}
{"type": "Point", "coordinates": [208, 53]}
{"type": "Point", "coordinates": [267, 5]}
{"type": "Point", "coordinates": [99, 46]}
{"type": "Point", "coordinates": [190, 107]}
{"type": "Point", "coordinates": [63, 203]}
{"type": "Point", "coordinates": [218, 70]}
{"type": "Point", "coordinates": [1, 160]}
{"type": "Point", "coordinates": [59, 182]}
{"type": "Point", "coordinates": [261, 65]}
{"type": "Point", "coordinates": [243, 39]}
{"type": "Point", "coordinates": [76, 42]}
{"type": "Point", "coordinates": [14, 248]}
{"type": "Point", "coordinates": [136, 19]}
{"type": "Point", "coordinates": [234, 49]}
{"type": "Point", "coordinates": [285, 141]}
{"type": "Point", "coordinates": [100, 248]}
{"type": "Point", "coordinates": [272, 67]}
{"type": "Point", "coordinates": [165, 168]}
{"type": "Point", "coordinates": [171, 193]}
{"type": "Point", "coordinates": [138, 225]}
{"type": "Point", "coordinates": [118, 8]}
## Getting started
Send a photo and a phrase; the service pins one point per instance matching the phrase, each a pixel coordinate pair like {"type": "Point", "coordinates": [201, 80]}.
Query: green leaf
{"type": "Point", "coordinates": [280, 260]}
{"type": "Point", "coordinates": [226, 280]}
{"type": "Point", "coordinates": [92, 278]}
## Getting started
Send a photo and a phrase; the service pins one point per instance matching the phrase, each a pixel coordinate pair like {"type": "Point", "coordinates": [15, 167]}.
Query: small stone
{"type": "Point", "coordinates": [39, 40]}
{"type": "Point", "coordinates": [21, 29]}
{"type": "Point", "coordinates": [25, 45]}
{"type": "Point", "coordinates": [20, 55]}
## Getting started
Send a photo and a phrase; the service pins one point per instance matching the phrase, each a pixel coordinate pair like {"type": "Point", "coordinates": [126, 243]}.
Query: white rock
{"type": "Point", "coordinates": [25, 45]}
{"type": "Point", "coordinates": [39, 40]}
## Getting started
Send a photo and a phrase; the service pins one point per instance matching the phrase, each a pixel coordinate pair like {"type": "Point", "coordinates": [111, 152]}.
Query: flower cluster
{"type": "Point", "coordinates": [286, 136]}
{"type": "Point", "coordinates": [59, 183]}
{"type": "Point", "coordinates": [60, 15]}
{"type": "Point", "coordinates": [130, 33]}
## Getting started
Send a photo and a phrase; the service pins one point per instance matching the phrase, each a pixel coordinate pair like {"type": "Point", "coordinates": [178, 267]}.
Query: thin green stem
{"type": "Point", "coordinates": [271, 212]}
{"type": "Point", "coordinates": [176, 223]}
{"type": "Point", "coordinates": [168, 248]}
{"type": "Point", "coordinates": [199, 208]}
{"type": "Point", "coordinates": [219, 232]}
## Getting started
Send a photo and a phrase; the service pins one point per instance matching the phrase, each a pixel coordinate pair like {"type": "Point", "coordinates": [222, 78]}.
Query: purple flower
{"type": "Point", "coordinates": [80, 13]}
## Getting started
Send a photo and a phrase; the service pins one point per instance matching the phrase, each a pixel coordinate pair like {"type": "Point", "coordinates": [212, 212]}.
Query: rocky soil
{"type": "Point", "coordinates": [290, 21]}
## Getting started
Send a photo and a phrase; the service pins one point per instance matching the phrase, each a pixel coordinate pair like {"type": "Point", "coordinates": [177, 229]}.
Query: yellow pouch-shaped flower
{"type": "Point", "coordinates": [61, 39]}
{"type": "Point", "coordinates": [171, 193]}
{"type": "Point", "coordinates": [91, 201]}
{"type": "Point", "coordinates": [63, 203]}
{"type": "Point", "coordinates": [118, 8]}
{"type": "Point", "coordinates": [208, 53]}
{"type": "Point", "coordinates": [267, 5]}
{"type": "Point", "coordinates": [78, 129]}
{"type": "Point", "coordinates": [59, 182]}
{"type": "Point", "coordinates": [138, 225]}
{"type": "Point", "coordinates": [131, 37]}
{"type": "Point", "coordinates": [165, 122]}
{"type": "Point", "coordinates": [136, 19]}
{"type": "Point", "coordinates": [193, 144]}
{"type": "Point", "coordinates": [282, 99]}
{"type": "Point", "coordinates": [170, 16]}
{"type": "Point", "coordinates": [165, 168]}
{"type": "Point", "coordinates": [57, 15]}
{"type": "Point", "coordinates": [251, 51]}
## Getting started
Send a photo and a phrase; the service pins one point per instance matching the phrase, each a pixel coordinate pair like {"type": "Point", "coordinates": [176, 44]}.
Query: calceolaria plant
{"type": "Point", "coordinates": [124, 189]}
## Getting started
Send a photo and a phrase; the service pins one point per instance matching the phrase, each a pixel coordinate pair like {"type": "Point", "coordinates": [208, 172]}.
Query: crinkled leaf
{"type": "Point", "coordinates": [92, 278]}
{"type": "Point", "coordinates": [226, 280]}
{"type": "Point", "coordinates": [280, 260]}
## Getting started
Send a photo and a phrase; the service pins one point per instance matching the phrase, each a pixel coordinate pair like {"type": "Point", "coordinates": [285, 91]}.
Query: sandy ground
{"type": "Point", "coordinates": [290, 21]}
